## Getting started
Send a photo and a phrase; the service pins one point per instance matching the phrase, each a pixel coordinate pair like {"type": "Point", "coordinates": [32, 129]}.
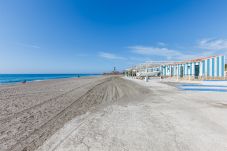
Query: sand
{"type": "Point", "coordinates": [111, 113]}
{"type": "Point", "coordinates": [32, 112]}
{"type": "Point", "coordinates": [164, 119]}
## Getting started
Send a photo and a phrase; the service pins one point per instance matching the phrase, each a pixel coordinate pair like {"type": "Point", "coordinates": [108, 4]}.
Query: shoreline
{"type": "Point", "coordinates": [31, 113]}
{"type": "Point", "coordinates": [110, 112]}
{"type": "Point", "coordinates": [50, 79]}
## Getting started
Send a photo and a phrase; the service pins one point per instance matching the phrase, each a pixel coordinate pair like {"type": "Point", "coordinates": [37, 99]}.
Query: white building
{"type": "Point", "coordinates": [208, 68]}
{"type": "Point", "coordinates": [203, 68]}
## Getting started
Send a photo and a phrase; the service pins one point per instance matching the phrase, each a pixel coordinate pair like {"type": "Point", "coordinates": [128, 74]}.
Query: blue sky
{"type": "Point", "coordinates": [93, 36]}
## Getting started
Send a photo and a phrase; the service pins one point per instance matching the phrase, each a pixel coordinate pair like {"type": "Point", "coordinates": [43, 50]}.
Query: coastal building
{"type": "Point", "coordinates": [208, 68]}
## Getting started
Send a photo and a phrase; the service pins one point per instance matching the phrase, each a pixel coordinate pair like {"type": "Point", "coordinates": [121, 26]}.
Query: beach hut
{"type": "Point", "coordinates": [206, 68]}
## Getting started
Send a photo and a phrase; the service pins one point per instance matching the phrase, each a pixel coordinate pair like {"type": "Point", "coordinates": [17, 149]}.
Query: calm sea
{"type": "Point", "coordinates": [17, 78]}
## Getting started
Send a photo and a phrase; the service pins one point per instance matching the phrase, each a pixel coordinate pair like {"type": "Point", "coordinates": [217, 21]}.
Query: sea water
{"type": "Point", "coordinates": [18, 78]}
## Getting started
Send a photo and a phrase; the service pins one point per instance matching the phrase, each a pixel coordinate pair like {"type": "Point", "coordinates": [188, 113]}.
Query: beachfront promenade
{"type": "Point", "coordinates": [111, 113]}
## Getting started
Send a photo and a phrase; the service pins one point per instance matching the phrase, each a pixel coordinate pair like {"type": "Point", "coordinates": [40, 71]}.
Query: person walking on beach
{"type": "Point", "coordinates": [24, 81]}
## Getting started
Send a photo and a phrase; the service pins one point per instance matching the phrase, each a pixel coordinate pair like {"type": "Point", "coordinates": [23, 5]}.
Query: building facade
{"type": "Point", "coordinates": [209, 68]}
{"type": "Point", "coordinates": [203, 68]}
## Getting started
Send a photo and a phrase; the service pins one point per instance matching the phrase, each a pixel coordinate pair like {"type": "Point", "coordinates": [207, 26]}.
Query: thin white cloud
{"type": "Point", "coordinates": [81, 55]}
{"type": "Point", "coordinates": [169, 54]}
{"type": "Point", "coordinates": [161, 44]}
{"type": "Point", "coordinates": [110, 56]}
{"type": "Point", "coordinates": [28, 45]}
{"type": "Point", "coordinates": [204, 47]}
{"type": "Point", "coordinates": [213, 44]}
{"type": "Point", "coordinates": [156, 51]}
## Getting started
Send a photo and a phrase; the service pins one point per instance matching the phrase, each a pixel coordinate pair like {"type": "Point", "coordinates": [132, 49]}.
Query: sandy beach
{"type": "Point", "coordinates": [164, 119]}
{"type": "Point", "coordinates": [113, 75]}
{"type": "Point", "coordinates": [111, 113]}
{"type": "Point", "coordinates": [32, 112]}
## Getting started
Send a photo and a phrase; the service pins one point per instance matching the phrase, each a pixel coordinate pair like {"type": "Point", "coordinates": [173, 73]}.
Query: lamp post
{"type": "Point", "coordinates": [177, 72]}
{"type": "Point", "coordinates": [146, 78]}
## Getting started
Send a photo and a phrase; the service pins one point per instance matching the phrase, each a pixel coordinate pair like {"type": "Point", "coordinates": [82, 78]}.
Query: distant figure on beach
{"type": "Point", "coordinates": [24, 81]}
{"type": "Point", "coordinates": [78, 76]}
